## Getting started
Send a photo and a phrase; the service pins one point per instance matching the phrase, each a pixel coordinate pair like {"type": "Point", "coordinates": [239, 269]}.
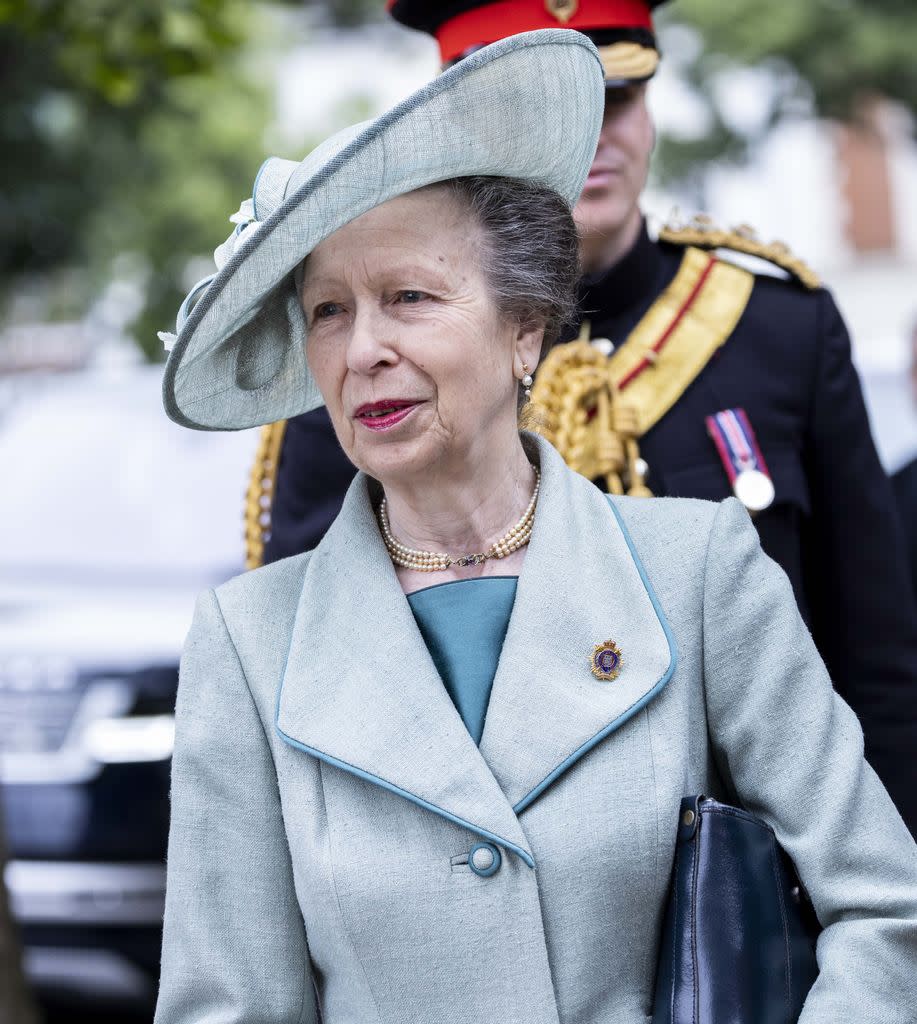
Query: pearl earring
{"type": "Point", "coordinates": [527, 382]}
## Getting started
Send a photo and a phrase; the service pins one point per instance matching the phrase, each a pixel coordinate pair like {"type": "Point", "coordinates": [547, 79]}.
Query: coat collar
{"type": "Point", "coordinates": [360, 690]}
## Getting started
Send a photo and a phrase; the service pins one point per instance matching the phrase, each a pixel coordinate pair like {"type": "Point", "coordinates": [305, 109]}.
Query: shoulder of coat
{"type": "Point", "coordinates": [272, 586]}
{"type": "Point", "coordinates": [650, 519]}
{"type": "Point", "coordinates": [703, 233]}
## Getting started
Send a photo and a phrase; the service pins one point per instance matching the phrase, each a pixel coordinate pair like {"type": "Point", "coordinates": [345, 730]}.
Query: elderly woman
{"type": "Point", "coordinates": [431, 771]}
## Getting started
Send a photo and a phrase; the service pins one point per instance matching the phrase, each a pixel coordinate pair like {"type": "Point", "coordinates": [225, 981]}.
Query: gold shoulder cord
{"type": "Point", "coordinates": [260, 494]}
{"type": "Point", "coordinates": [577, 410]}
{"type": "Point", "coordinates": [594, 409]}
{"type": "Point", "coordinates": [703, 233]}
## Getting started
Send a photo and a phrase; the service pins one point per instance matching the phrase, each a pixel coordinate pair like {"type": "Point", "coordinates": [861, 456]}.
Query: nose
{"type": "Point", "coordinates": [607, 131]}
{"type": "Point", "coordinates": [370, 345]}
{"type": "Point", "coordinates": [605, 143]}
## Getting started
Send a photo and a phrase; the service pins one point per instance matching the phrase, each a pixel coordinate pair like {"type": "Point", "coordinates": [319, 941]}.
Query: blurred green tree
{"type": "Point", "coordinates": [128, 130]}
{"type": "Point", "coordinates": [824, 56]}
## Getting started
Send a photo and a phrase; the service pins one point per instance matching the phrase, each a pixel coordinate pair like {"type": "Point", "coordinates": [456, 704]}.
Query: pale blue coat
{"type": "Point", "coordinates": [326, 792]}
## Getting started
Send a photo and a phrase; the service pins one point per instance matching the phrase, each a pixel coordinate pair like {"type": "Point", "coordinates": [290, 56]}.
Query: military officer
{"type": "Point", "coordinates": [688, 376]}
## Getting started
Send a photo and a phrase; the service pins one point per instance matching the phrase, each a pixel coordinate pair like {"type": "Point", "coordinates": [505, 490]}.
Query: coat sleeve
{"type": "Point", "coordinates": [855, 568]}
{"type": "Point", "coordinates": [234, 946]}
{"type": "Point", "coordinates": [793, 752]}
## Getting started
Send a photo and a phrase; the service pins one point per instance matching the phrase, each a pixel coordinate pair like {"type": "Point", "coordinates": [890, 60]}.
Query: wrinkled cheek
{"type": "Point", "coordinates": [468, 378]}
{"type": "Point", "coordinates": [344, 431]}
{"type": "Point", "coordinates": [334, 403]}
{"type": "Point", "coordinates": [437, 424]}
{"type": "Point", "coordinates": [475, 404]}
{"type": "Point", "coordinates": [344, 428]}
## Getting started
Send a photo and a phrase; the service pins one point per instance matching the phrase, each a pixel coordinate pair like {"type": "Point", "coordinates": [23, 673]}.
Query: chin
{"type": "Point", "coordinates": [602, 213]}
{"type": "Point", "coordinates": [396, 460]}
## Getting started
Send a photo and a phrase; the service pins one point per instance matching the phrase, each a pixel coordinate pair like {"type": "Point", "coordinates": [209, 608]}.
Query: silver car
{"type": "Point", "coordinates": [112, 520]}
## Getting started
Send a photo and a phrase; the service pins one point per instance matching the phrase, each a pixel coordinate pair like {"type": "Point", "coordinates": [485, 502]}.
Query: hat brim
{"type": "Point", "coordinates": [528, 107]}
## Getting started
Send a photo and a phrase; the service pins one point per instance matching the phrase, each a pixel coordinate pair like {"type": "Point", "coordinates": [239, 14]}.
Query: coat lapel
{"type": "Point", "coordinates": [582, 584]}
{"type": "Point", "coordinates": [360, 690]}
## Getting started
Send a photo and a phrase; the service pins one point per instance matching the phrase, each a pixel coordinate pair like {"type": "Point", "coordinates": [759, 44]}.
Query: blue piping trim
{"type": "Point", "coordinates": [376, 781]}
{"type": "Point", "coordinates": [635, 708]}
{"type": "Point", "coordinates": [360, 774]}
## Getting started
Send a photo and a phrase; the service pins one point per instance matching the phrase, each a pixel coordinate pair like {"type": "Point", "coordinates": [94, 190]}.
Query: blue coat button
{"type": "Point", "coordinates": [484, 859]}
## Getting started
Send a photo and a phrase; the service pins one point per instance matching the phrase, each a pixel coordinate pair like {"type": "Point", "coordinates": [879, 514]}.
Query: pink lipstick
{"type": "Point", "coordinates": [385, 414]}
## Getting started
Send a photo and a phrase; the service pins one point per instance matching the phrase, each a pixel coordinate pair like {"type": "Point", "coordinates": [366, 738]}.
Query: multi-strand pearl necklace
{"type": "Point", "coordinates": [431, 561]}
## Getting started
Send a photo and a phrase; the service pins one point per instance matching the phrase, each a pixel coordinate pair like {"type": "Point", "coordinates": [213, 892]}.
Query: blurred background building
{"type": "Point", "coordinates": [130, 133]}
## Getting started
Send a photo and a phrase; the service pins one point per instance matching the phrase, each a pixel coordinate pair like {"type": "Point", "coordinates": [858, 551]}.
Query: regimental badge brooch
{"type": "Point", "coordinates": [606, 661]}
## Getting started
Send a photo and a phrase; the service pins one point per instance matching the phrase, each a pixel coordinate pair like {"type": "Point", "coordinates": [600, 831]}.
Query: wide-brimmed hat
{"type": "Point", "coordinates": [622, 30]}
{"type": "Point", "coordinates": [528, 107]}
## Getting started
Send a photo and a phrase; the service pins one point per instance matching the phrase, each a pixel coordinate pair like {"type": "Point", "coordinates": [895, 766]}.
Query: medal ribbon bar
{"type": "Point", "coordinates": [742, 458]}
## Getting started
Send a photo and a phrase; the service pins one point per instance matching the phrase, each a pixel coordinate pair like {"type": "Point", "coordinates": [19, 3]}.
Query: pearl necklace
{"type": "Point", "coordinates": [431, 561]}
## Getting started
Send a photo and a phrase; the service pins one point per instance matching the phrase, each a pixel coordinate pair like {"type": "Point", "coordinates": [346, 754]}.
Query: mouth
{"type": "Point", "coordinates": [600, 175]}
{"type": "Point", "coordinates": [385, 414]}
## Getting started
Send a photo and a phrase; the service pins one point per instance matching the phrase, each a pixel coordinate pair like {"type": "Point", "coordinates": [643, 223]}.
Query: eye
{"type": "Point", "coordinates": [411, 296]}
{"type": "Point", "coordinates": [619, 97]}
{"type": "Point", "coordinates": [326, 310]}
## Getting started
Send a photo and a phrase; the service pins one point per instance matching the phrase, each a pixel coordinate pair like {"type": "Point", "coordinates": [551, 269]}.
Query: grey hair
{"type": "Point", "coordinates": [531, 256]}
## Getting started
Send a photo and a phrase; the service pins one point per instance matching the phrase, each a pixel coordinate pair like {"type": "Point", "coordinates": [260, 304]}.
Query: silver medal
{"type": "Point", "coordinates": [754, 489]}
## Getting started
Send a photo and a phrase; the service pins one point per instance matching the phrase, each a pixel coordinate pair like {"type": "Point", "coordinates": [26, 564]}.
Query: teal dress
{"type": "Point", "coordinates": [463, 625]}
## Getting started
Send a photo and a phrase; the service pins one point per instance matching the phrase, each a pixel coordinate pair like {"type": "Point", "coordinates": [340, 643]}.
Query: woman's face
{"type": "Point", "coordinates": [418, 369]}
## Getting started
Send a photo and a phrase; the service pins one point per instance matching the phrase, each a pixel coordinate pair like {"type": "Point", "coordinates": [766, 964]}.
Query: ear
{"type": "Point", "coordinates": [527, 350]}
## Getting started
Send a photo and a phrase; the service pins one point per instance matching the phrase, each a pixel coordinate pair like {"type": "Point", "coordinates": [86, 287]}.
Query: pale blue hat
{"type": "Point", "coordinates": [528, 107]}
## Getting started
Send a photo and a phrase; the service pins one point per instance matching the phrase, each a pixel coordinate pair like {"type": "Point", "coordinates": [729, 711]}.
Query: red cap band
{"type": "Point", "coordinates": [490, 22]}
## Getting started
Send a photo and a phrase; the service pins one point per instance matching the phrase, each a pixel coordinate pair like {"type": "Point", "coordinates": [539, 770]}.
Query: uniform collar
{"type": "Point", "coordinates": [627, 284]}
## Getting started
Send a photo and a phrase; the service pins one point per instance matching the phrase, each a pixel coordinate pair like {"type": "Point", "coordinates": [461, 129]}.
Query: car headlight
{"type": "Point", "coordinates": [137, 738]}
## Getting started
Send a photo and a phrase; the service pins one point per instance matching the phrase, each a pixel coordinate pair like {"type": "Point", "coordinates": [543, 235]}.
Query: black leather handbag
{"type": "Point", "coordinates": [738, 940]}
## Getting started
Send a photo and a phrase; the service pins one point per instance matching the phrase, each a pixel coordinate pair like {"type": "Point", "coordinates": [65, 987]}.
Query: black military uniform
{"type": "Point", "coordinates": [775, 348]}
{"type": "Point", "coordinates": [904, 484]}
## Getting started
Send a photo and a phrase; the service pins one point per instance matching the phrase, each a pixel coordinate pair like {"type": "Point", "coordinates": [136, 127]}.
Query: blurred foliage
{"type": "Point", "coordinates": [826, 56]}
{"type": "Point", "coordinates": [194, 162]}
{"type": "Point", "coordinates": [127, 128]}
{"type": "Point", "coordinates": [124, 52]}
{"type": "Point", "coordinates": [131, 131]}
